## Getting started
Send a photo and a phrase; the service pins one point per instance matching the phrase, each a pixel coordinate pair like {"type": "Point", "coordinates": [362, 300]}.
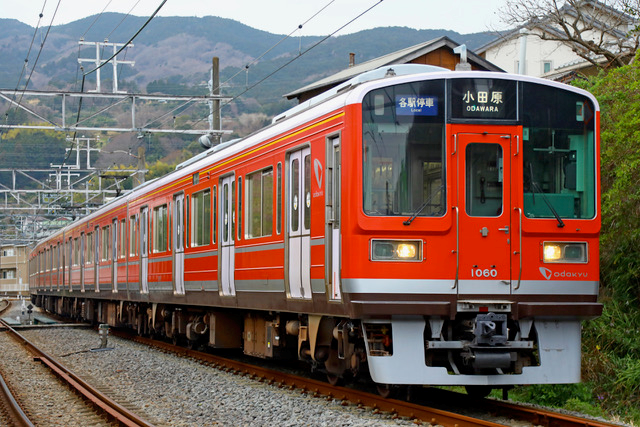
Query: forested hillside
{"type": "Point", "coordinates": [173, 54]}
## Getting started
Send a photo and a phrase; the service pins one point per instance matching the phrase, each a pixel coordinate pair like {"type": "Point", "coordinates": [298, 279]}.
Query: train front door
{"type": "Point", "coordinates": [227, 231]}
{"type": "Point", "coordinates": [485, 234]}
{"type": "Point", "coordinates": [178, 244]}
{"type": "Point", "coordinates": [299, 223]}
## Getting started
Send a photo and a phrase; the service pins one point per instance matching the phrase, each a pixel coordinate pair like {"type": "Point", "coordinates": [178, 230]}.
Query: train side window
{"type": "Point", "coordinates": [122, 240]}
{"type": "Point", "coordinates": [215, 214]}
{"type": "Point", "coordinates": [279, 200]}
{"type": "Point", "coordinates": [96, 249]}
{"type": "Point", "coordinates": [233, 209]}
{"type": "Point", "coordinates": [160, 228]}
{"type": "Point", "coordinates": [201, 218]}
{"type": "Point", "coordinates": [133, 236]}
{"type": "Point", "coordinates": [295, 194]}
{"type": "Point", "coordinates": [187, 224]}
{"type": "Point", "coordinates": [76, 251]}
{"type": "Point", "coordinates": [106, 244]}
{"type": "Point", "coordinates": [239, 207]}
{"type": "Point", "coordinates": [89, 249]}
{"type": "Point", "coordinates": [307, 195]}
{"type": "Point", "coordinates": [259, 203]}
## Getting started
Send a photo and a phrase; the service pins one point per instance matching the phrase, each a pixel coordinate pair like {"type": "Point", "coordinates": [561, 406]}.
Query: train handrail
{"type": "Point", "coordinates": [520, 243]}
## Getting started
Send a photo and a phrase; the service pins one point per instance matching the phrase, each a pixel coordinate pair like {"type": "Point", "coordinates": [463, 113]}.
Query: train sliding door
{"type": "Point", "coordinates": [82, 261]}
{"type": "Point", "coordinates": [178, 244]}
{"type": "Point", "coordinates": [227, 232]}
{"type": "Point", "coordinates": [484, 199]}
{"type": "Point", "coordinates": [144, 250]}
{"type": "Point", "coordinates": [299, 223]}
{"type": "Point", "coordinates": [114, 254]}
{"type": "Point", "coordinates": [332, 234]}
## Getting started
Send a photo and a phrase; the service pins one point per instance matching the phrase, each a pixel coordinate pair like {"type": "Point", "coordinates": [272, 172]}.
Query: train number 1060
{"type": "Point", "coordinates": [478, 272]}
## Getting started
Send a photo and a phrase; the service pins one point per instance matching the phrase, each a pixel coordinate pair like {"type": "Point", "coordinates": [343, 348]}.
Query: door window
{"type": "Point", "coordinates": [484, 193]}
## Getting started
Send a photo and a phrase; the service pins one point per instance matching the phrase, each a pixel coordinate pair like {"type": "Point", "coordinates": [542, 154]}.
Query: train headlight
{"type": "Point", "coordinates": [396, 250]}
{"type": "Point", "coordinates": [567, 252]}
{"type": "Point", "coordinates": [407, 250]}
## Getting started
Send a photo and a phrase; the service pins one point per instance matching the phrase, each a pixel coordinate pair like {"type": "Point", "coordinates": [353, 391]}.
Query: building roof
{"type": "Point", "coordinates": [571, 12]}
{"type": "Point", "coordinates": [402, 56]}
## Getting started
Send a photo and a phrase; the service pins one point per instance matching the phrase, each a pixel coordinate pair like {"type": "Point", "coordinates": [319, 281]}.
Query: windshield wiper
{"type": "Point", "coordinates": [536, 188]}
{"type": "Point", "coordinates": [421, 208]}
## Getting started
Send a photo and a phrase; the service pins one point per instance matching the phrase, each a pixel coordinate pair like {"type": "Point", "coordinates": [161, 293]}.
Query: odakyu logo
{"type": "Point", "coordinates": [548, 274]}
{"type": "Point", "coordinates": [317, 166]}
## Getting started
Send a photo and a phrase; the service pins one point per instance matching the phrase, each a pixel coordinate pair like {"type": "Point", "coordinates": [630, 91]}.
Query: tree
{"type": "Point", "coordinates": [618, 93]}
{"type": "Point", "coordinates": [604, 33]}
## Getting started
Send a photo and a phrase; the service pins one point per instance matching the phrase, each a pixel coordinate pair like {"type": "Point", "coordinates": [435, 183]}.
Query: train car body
{"type": "Point", "coordinates": [426, 226]}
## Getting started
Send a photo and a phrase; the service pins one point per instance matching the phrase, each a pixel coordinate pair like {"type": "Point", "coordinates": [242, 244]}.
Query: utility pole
{"type": "Point", "coordinates": [214, 107]}
{"type": "Point", "coordinates": [98, 61]}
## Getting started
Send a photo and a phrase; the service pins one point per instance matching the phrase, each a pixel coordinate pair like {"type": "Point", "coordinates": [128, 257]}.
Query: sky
{"type": "Point", "coordinates": [280, 16]}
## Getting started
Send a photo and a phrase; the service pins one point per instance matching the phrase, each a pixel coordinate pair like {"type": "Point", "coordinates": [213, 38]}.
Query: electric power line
{"type": "Point", "coordinates": [84, 75]}
{"type": "Point", "coordinates": [296, 57]}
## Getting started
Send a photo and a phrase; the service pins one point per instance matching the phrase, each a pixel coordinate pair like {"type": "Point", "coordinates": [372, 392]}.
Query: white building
{"type": "Point", "coordinates": [14, 271]}
{"type": "Point", "coordinates": [536, 43]}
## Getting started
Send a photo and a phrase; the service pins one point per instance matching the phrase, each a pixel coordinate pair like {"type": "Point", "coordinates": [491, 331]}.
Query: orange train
{"type": "Point", "coordinates": [414, 224]}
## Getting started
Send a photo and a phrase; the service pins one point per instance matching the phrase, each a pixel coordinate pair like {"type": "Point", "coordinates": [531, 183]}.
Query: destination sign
{"type": "Point", "coordinates": [412, 105]}
{"type": "Point", "coordinates": [484, 99]}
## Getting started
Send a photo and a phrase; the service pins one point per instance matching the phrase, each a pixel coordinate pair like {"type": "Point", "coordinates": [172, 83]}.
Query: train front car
{"type": "Point", "coordinates": [471, 240]}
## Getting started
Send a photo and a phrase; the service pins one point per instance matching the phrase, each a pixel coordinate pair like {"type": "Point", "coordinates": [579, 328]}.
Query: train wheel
{"type": "Point", "coordinates": [333, 379]}
{"type": "Point", "coordinates": [479, 391]}
{"type": "Point", "coordinates": [384, 390]}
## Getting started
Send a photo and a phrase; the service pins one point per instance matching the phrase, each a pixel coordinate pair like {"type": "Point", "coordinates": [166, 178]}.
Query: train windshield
{"type": "Point", "coordinates": [559, 153]}
{"type": "Point", "coordinates": [403, 150]}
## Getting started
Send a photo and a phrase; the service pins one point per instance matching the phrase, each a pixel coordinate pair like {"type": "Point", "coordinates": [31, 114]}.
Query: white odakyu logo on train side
{"type": "Point", "coordinates": [317, 166]}
{"type": "Point", "coordinates": [546, 273]}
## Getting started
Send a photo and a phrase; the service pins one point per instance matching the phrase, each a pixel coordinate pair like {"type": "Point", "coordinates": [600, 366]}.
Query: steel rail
{"type": "Point", "coordinates": [306, 385]}
{"type": "Point", "coordinates": [543, 417]}
{"type": "Point", "coordinates": [14, 410]}
{"type": "Point", "coordinates": [537, 416]}
{"type": "Point", "coordinates": [110, 407]}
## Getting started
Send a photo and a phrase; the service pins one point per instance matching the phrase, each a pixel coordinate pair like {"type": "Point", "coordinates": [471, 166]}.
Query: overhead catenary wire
{"type": "Point", "coordinates": [84, 75]}
{"type": "Point", "coordinates": [297, 57]}
{"type": "Point", "coordinates": [303, 52]}
{"type": "Point", "coordinates": [26, 61]}
{"type": "Point", "coordinates": [95, 20]}
{"type": "Point", "coordinates": [79, 67]}
{"type": "Point", "coordinates": [300, 54]}
{"type": "Point", "coordinates": [246, 67]}
{"type": "Point", "coordinates": [299, 27]}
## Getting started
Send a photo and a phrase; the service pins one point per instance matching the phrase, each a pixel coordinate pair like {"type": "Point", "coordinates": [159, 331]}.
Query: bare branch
{"type": "Point", "coordinates": [604, 33]}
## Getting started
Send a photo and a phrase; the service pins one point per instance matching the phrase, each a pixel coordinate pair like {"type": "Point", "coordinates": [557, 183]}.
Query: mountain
{"type": "Point", "coordinates": [173, 55]}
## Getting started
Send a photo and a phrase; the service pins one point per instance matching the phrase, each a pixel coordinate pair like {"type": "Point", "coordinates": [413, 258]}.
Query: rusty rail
{"type": "Point", "coordinates": [537, 416]}
{"type": "Point", "coordinates": [111, 408]}
{"type": "Point", "coordinates": [546, 418]}
{"type": "Point", "coordinates": [306, 385]}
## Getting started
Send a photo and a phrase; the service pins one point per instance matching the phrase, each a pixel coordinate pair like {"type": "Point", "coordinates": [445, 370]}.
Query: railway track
{"type": "Point", "coordinates": [10, 411]}
{"type": "Point", "coordinates": [104, 406]}
{"type": "Point", "coordinates": [418, 413]}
